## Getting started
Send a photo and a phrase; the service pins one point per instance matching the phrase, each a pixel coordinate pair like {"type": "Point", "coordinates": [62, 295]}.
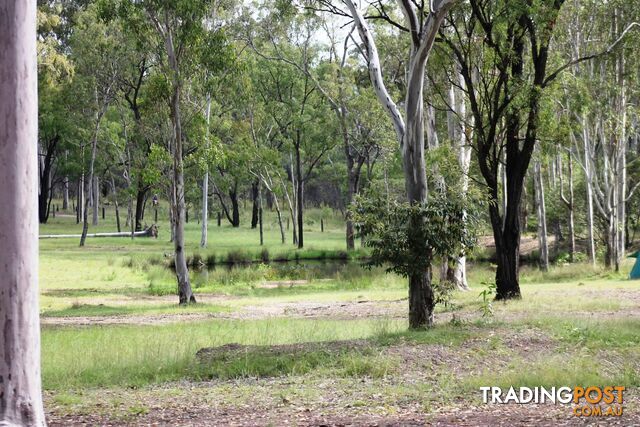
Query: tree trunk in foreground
{"type": "Point", "coordinates": [20, 387]}
{"type": "Point", "coordinates": [410, 134]}
{"type": "Point", "coordinates": [421, 300]}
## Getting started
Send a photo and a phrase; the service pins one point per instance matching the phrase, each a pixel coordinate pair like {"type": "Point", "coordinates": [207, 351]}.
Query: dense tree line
{"type": "Point", "coordinates": [514, 105]}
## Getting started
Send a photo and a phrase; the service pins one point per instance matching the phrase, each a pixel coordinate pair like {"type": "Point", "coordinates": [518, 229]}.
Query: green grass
{"type": "Point", "coordinates": [89, 310]}
{"type": "Point", "coordinates": [573, 306]}
{"type": "Point", "coordinates": [136, 355]}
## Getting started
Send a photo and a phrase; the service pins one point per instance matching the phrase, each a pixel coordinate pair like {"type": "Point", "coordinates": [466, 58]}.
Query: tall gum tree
{"type": "Point", "coordinates": [20, 386]}
{"type": "Point", "coordinates": [421, 25]}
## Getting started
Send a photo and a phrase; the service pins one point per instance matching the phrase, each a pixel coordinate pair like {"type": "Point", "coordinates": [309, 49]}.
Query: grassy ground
{"type": "Point", "coordinates": [313, 343]}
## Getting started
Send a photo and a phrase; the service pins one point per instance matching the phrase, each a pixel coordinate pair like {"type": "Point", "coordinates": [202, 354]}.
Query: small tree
{"type": "Point", "coordinates": [406, 237]}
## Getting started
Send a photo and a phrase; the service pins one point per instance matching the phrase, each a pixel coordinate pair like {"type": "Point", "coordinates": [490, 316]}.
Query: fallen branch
{"type": "Point", "coordinates": [147, 232]}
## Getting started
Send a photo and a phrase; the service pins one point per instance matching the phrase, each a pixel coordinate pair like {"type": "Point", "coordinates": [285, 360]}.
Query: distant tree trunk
{"type": "Point", "coordinates": [235, 208]}
{"type": "Point", "coordinates": [254, 199]}
{"type": "Point", "coordinates": [141, 195]}
{"type": "Point", "coordinates": [65, 188]}
{"type": "Point", "coordinates": [293, 205]}
{"type": "Point", "coordinates": [276, 204]}
{"type": "Point", "coordinates": [260, 214]}
{"type": "Point", "coordinates": [458, 135]}
{"type": "Point", "coordinates": [80, 202]}
{"type": "Point", "coordinates": [20, 387]}
{"type": "Point", "coordinates": [569, 203]}
{"type": "Point", "coordinates": [299, 199]}
{"type": "Point", "coordinates": [95, 192]}
{"type": "Point", "coordinates": [591, 248]}
{"type": "Point", "coordinates": [542, 217]}
{"type": "Point", "coordinates": [205, 186]}
{"type": "Point", "coordinates": [94, 150]}
{"type": "Point", "coordinates": [115, 203]}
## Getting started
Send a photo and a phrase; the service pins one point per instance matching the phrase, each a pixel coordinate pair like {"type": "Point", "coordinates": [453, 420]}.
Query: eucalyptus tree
{"type": "Point", "coordinates": [422, 22]}
{"type": "Point", "coordinates": [503, 49]}
{"type": "Point", "coordinates": [55, 123]}
{"type": "Point", "coordinates": [97, 72]}
{"type": "Point", "coordinates": [20, 388]}
{"type": "Point", "coordinates": [599, 98]}
{"type": "Point", "coordinates": [290, 35]}
{"type": "Point", "coordinates": [179, 33]}
{"type": "Point", "coordinates": [299, 112]}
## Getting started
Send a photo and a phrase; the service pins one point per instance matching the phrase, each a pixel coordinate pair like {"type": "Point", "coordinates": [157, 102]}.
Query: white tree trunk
{"type": "Point", "coordinates": [20, 387]}
{"type": "Point", "coordinates": [460, 137]}
{"type": "Point", "coordinates": [205, 186]}
{"type": "Point", "coordinates": [542, 216]}
{"type": "Point", "coordinates": [589, 184]}
{"type": "Point", "coordinates": [410, 130]}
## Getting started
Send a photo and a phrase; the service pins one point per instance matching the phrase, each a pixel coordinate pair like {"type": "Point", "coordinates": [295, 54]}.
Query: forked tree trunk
{"type": "Point", "coordinates": [409, 131]}
{"type": "Point", "coordinates": [20, 387]}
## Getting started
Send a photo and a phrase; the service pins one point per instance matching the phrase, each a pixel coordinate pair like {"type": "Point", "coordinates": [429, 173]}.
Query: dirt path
{"type": "Point", "coordinates": [298, 309]}
{"type": "Point", "coordinates": [338, 310]}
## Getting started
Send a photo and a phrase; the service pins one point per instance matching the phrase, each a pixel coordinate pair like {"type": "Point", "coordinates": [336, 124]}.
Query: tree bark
{"type": "Point", "coordinates": [279, 214]}
{"type": "Point", "coordinates": [20, 386]}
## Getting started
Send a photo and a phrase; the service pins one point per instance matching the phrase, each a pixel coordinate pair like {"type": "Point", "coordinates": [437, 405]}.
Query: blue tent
{"type": "Point", "coordinates": [635, 271]}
